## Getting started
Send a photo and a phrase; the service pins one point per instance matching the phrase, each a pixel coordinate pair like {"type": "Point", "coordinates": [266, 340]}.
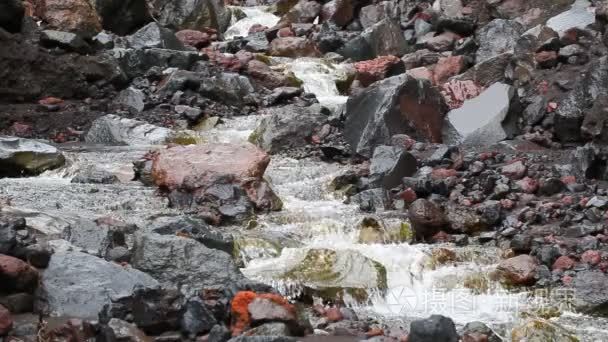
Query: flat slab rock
{"type": "Point", "coordinates": [27, 157]}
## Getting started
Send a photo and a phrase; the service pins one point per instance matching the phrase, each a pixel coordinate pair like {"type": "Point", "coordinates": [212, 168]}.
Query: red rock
{"type": "Point", "coordinates": [21, 129]}
{"type": "Point", "coordinates": [456, 92]}
{"type": "Point", "coordinates": [341, 12]}
{"type": "Point", "coordinates": [6, 321]}
{"type": "Point", "coordinates": [551, 107]}
{"type": "Point", "coordinates": [567, 280]}
{"type": "Point", "coordinates": [591, 257]}
{"type": "Point", "coordinates": [507, 204]}
{"type": "Point", "coordinates": [441, 237]}
{"type": "Point", "coordinates": [377, 69]}
{"type": "Point", "coordinates": [194, 38]}
{"type": "Point", "coordinates": [408, 195]}
{"type": "Point", "coordinates": [528, 185]}
{"type": "Point", "coordinates": [257, 28]}
{"type": "Point", "coordinates": [603, 266]}
{"type": "Point", "coordinates": [474, 337]}
{"type": "Point", "coordinates": [422, 73]}
{"type": "Point", "coordinates": [443, 173]}
{"type": "Point", "coordinates": [543, 87]}
{"type": "Point", "coordinates": [17, 275]}
{"type": "Point", "coordinates": [563, 263]}
{"type": "Point", "coordinates": [77, 16]}
{"type": "Point", "coordinates": [568, 180]}
{"type": "Point", "coordinates": [293, 47]}
{"type": "Point", "coordinates": [447, 67]}
{"type": "Point", "coordinates": [546, 59]}
{"type": "Point", "coordinates": [50, 101]}
{"type": "Point", "coordinates": [334, 314]}
{"type": "Point", "coordinates": [285, 32]}
{"type": "Point", "coordinates": [248, 306]}
{"type": "Point", "coordinates": [514, 170]}
{"type": "Point", "coordinates": [519, 270]}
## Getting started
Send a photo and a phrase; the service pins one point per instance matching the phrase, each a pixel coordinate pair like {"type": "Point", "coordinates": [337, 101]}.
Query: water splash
{"type": "Point", "coordinates": [253, 15]}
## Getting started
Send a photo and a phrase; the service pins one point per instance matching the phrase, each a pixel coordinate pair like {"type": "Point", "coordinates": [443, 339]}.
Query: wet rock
{"type": "Point", "coordinates": [390, 164]}
{"type": "Point", "coordinates": [80, 284]}
{"type": "Point", "coordinates": [95, 176]}
{"type": "Point", "coordinates": [194, 15]}
{"type": "Point", "coordinates": [396, 105]}
{"type": "Point", "coordinates": [122, 17]}
{"type": "Point", "coordinates": [265, 310]}
{"type": "Point", "coordinates": [11, 15]}
{"type": "Point", "coordinates": [132, 99]}
{"type": "Point", "coordinates": [115, 130]}
{"type": "Point", "coordinates": [8, 234]}
{"type": "Point", "coordinates": [340, 12]}
{"type": "Point", "coordinates": [436, 328]}
{"type": "Point", "coordinates": [371, 200]}
{"type": "Point", "coordinates": [77, 16]}
{"type": "Point", "coordinates": [589, 295]}
{"type": "Point", "coordinates": [124, 331]}
{"type": "Point", "coordinates": [196, 229]}
{"type": "Point", "coordinates": [477, 332]}
{"type": "Point", "coordinates": [136, 62]}
{"type": "Point", "coordinates": [305, 11]}
{"type": "Point", "coordinates": [497, 37]}
{"type": "Point", "coordinates": [184, 263]}
{"type": "Point", "coordinates": [197, 319]}
{"type": "Point", "coordinates": [538, 329]}
{"type": "Point", "coordinates": [293, 47]}
{"type": "Point", "coordinates": [377, 69]}
{"type": "Point", "coordinates": [550, 186]}
{"type": "Point", "coordinates": [6, 321]}
{"type": "Point", "coordinates": [270, 329]}
{"type": "Point", "coordinates": [23, 157]}
{"type": "Point", "coordinates": [229, 88]}
{"type": "Point", "coordinates": [219, 333]}
{"type": "Point", "coordinates": [65, 40]}
{"type": "Point", "coordinates": [519, 270]}
{"type": "Point", "coordinates": [484, 120]}
{"type": "Point", "coordinates": [262, 74]}
{"type": "Point", "coordinates": [427, 219]}
{"type": "Point", "coordinates": [154, 36]}
{"type": "Point", "coordinates": [288, 127]}
{"type": "Point", "coordinates": [582, 109]}
{"type": "Point", "coordinates": [381, 39]}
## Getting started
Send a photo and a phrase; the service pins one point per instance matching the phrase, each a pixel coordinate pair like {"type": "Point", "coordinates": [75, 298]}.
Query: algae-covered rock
{"type": "Point", "coordinates": [371, 231]}
{"type": "Point", "coordinates": [185, 138]}
{"type": "Point", "coordinates": [22, 157]}
{"type": "Point", "coordinates": [540, 330]}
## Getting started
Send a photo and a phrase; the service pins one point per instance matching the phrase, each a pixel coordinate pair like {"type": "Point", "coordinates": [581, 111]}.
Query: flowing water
{"type": "Point", "coordinates": [313, 218]}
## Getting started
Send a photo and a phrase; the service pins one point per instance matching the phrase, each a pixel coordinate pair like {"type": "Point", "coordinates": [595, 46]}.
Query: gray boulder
{"type": "Point", "coordinates": [590, 292]}
{"type": "Point", "coordinates": [436, 328]}
{"type": "Point", "coordinates": [390, 164]}
{"type": "Point", "coordinates": [135, 62]}
{"type": "Point", "coordinates": [22, 157]}
{"type": "Point", "coordinates": [397, 105]}
{"type": "Point", "coordinates": [123, 16]}
{"type": "Point", "coordinates": [288, 127]}
{"type": "Point", "coordinates": [65, 40]}
{"type": "Point", "coordinates": [229, 88]}
{"type": "Point", "coordinates": [132, 99]}
{"type": "Point", "coordinates": [11, 15]}
{"type": "Point", "coordinates": [192, 14]}
{"type": "Point", "coordinates": [80, 285]}
{"type": "Point", "coordinates": [115, 130]}
{"type": "Point", "coordinates": [498, 37]}
{"type": "Point", "coordinates": [485, 119]}
{"type": "Point", "coordinates": [184, 262]}
{"type": "Point", "coordinates": [381, 39]}
{"type": "Point", "coordinates": [154, 36]}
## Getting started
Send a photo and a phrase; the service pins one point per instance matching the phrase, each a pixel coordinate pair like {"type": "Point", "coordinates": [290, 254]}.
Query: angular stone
{"type": "Point", "coordinates": [154, 36]}
{"type": "Point", "coordinates": [23, 157]}
{"type": "Point", "coordinates": [79, 284]}
{"type": "Point", "coordinates": [519, 270]}
{"type": "Point", "coordinates": [194, 15]}
{"type": "Point", "coordinates": [578, 16]}
{"type": "Point", "coordinates": [589, 291]}
{"type": "Point", "coordinates": [65, 40]}
{"type": "Point", "coordinates": [497, 37]}
{"type": "Point", "coordinates": [484, 120]}
{"type": "Point", "coordinates": [382, 39]}
{"type": "Point", "coordinates": [293, 47]}
{"type": "Point", "coordinates": [115, 130]}
{"type": "Point", "coordinates": [427, 219]}
{"type": "Point", "coordinates": [122, 17]}
{"type": "Point", "coordinates": [77, 16]}
{"type": "Point", "coordinates": [390, 164]}
{"type": "Point", "coordinates": [17, 275]}
{"type": "Point", "coordinates": [133, 99]}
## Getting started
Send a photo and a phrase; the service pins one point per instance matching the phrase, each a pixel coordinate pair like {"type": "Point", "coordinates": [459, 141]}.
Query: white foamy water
{"type": "Point", "coordinates": [319, 77]}
{"type": "Point", "coordinates": [254, 15]}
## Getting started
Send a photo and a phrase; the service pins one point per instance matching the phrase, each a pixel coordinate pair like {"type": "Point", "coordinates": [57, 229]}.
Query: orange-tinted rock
{"type": "Point", "coordinates": [443, 173]}
{"type": "Point", "coordinates": [248, 307]}
{"type": "Point", "coordinates": [377, 69]}
{"type": "Point", "coordinates": [78, 16]}
{"type": "Point", "coordinates": [50, 101]}
{"type": "Point", "coordinates": [447, 67]}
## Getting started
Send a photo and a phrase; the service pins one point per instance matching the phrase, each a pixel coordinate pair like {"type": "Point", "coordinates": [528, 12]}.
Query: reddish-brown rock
{"type": "Point", "coordinates": [528, 185]}
{"type": "Point", "coordinates": [519, 270]}
{"type": "Point", "coordinates": [194, 38]}
{"type": "Point", "coordinates": [285, 32]}
{"type": "Point", "coordinates": [515, 170]}
{"type": "Point", "coordinates": [377, 69]}
{"type": "Point", "coordinates": [447, 67]}
{"type": "Point", "coordinates": [340, 12]}
{"type": "Point", "coordinates": [78, 16]}
{"type": "Point", "coordinates": [456, 92]}
{"type": "Point", "coordinates": [563, 263]}
{"type": "Point", "coordinates": [546, 59]}
{"type": "Point", "coordinates": [6, 321]}
{"type": "Point", "coordinates": [16, 275]}
{"type": "Point", "coordinates": [248, 307]}
{"type": "Point", "coordinates": [293, 47]}
{"type": "Point", "coordinates": [591, 257]}
{"type": "Point", "coordinates": [265, 76]}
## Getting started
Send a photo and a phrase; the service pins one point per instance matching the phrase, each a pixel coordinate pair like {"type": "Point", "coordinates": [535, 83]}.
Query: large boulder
{"type": "Point", "coordinates": [154, 36]}
{"type": "Point", "coordinates": [497, 37]}
{"type": "Point", "coordinates": [582, 111]}
{"type": "Point", "coordinates": [484, 120]}
{"type": "Point", "coordinates": [589, 292]}
{"type": "Point", "coordinates": [229, 88]}
{"type": "Point", "coordinates": [77, 16]}
{"type": "Point", "coordinates": [185, 263]}
{"type": "Point", "coordinates": [381, 39]}
{"type": "Point", "coordinates": [115, 130]}
{"type": "Point", "coordinates": [396, 105]}
{"type": "Point", "coordinates": [123, 16]}
{"type": "Point", "coordinates": [198, 176]}
{"type": "Point", "coordinates": [288, 127]}
{"type": "Point", "coordinates": [23, 157]}
{"type": "Point", "coordinates": [11, 15]}
{"type": "Point", "coordinates": [436, 328]}
{"type": "Point", "coordinates": [80, 285]}
{"type": "Point", "coordinates": [192, 14]}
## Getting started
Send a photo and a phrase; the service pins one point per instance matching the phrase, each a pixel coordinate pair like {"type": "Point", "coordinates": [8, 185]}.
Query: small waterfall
{"type": "Point", "coordinates": [254, 15]}
{"type": "Point", "coordinates": [319, 77]}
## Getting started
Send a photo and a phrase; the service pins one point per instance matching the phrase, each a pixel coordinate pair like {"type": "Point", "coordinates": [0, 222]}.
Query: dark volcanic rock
{"type": "Point", "coordinates": [194, 15]}
{"type": "Point", "coordinates": [11, 15]}
{"type": "Point", "coordinates": [154, 36]}
{"type": "Point", "coordinates": [65, 40]}
{"type": "Point", "coordinates": [396, 105]}
{"type": "Point", "coordinates": [390, 164]}
{"type": "Point", "coordinates": [383, 38]}
{"type": "Point", "coordinates": [123, 16]}
{"type": "Point", "coordinates": [436, 328]}
{"type": "Point", "coordinates": [135, 62]}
